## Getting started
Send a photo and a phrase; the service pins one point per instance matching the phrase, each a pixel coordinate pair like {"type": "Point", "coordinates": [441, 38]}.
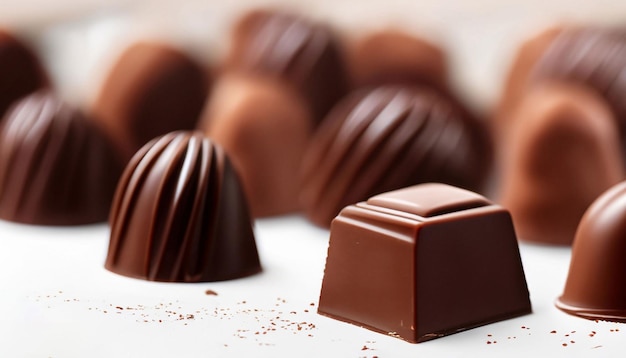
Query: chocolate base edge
{"type": "Point", "coordinates": [590, 313]}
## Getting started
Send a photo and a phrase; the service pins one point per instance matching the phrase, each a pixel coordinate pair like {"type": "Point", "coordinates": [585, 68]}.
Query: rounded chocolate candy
{"type": "Point", "coordinates": [56, 166]}
{"type": "Point", "coordinates": [264, 128]}
{"type": "Point", "coordinates": [21, 72]}
{"type": "Point", "coordinates": [395, 57]}
{"type": "Point", "coordinates": [384, 139]}
{"type": "Point", "coordinates": [596, 284]}
{"type": "Point", "coordinates": [562, 152]}
{"type": "Point", "coordinates": [151, 90]}
{"type": "Point", "coordinates": [305, 54]}
{"type": "Point", "coordinates": [180, 215]}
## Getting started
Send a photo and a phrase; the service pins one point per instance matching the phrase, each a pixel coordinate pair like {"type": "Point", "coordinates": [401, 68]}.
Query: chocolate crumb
{"type": "Point", "coordinates": [564, 344]}
{"type": "Point", "coordinates": [553, 332]}
{"type": "Point", "coordinates": [210, 293]}
{"type": "Point", "coordinates": [364, 348]}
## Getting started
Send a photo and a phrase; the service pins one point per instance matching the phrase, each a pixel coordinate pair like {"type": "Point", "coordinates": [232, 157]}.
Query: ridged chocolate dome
{"type": "Point", "coordinates": [179, 214]}
{"type": "Point", "coordinates": [21, 72]}
{"type": "Point", "coordinates": [151, 90]}
{"type": "Point", "coordinates": [56, 167]}
{"type": "Point", "coordinates": [385, 139]}
{"type": "Point", "coordinates": [286, 46]}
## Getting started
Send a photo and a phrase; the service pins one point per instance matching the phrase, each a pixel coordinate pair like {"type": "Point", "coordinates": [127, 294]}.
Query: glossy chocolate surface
{"type": "Point", "coordinates": [305, 54]}
{"type": "Point", "coordinates": [56, 166]}
{"type": "Point", "coordinates": [395, 57]}
{"type": "Point", "coordinates": [180, 215]}
{"type": "Point", "coordinates": [596, 284]}
{"type": "Point", "coordinates": [151, 90]}
{"type": "Point", "coordinates": [384, 139]}
{"type": "Point", "coordinates": [264, 127]}
{"type": "Point", "coordinates": [21, 71]}
{"type": "Point", "coordinates": [423, 262]}
{"type": "Point", "coordinates": [563, 151]}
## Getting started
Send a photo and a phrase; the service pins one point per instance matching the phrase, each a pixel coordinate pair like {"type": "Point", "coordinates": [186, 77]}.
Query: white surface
{"type": "Point", "coordinates": [57, 300]}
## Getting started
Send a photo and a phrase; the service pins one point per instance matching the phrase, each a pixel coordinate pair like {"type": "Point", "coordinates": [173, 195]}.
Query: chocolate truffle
{"type": "Point", "coordinates": [179, 215]}
{"type": "Point", "coordinates": [151, 90]}
{"type": "Point", "coordinates": [56, 166]}
{"type": "Point", "coordinates": [596, 284]}
{"type": "Point", "coordinates": [563, 151]}
{"type": "Point", "coordinates": [423, 262]}
{"type": "Point", "coordinates": [21, 72]}
{"type": "Point", "coordinates": [395, 57]}
{"type": "Point", "coordinates": [303, 53]}
{"type": "Point", "coordinates": [264, 128]}
{"type": "Point", "coordinates": [384, 139]}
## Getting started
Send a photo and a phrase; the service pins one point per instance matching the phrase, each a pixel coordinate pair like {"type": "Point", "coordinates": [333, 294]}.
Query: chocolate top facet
{"type": "Point", "coordinates": [56, 166]}
{"type": "Point", "coordinates": [179, 214]}
{"type": "Point", "coordinates": [264, 127]}
{"type": "Point", "coordinates": [21, 72]}
{"type": "Point", "coordinates": [596, 284]}
{"type": "Point", "coordinates": [394, 57]}
{"type": "Point", "coordinates": [384, 139]}
{"type": "Point", "coordinates": [153, 89]}
{"type": "Point", "coordinates": [563, 151]}
{"type": "Point", "coordinates": [305, 54]}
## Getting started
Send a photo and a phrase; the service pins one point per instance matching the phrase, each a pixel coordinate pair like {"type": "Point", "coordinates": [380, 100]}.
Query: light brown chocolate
{"type": "Point", "coordinates": [264, 127]}
{"type": "Point", "coordinates": [562, 152]}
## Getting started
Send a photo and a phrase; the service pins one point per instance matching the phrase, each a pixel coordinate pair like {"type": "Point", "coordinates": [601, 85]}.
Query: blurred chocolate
{"type": "Point", "coordinates": [21, 71]}
{"type": "Point", "coordinates": [423, 262]}
{"type": "Point", "coordinates": [385, 139]}
{"type": "Point", "coordinates": [596, 284]}
{"type": "Point", "coordinates": [395, 57]}
{"type": "Point", "coordinates": [151, 90]}
{"type": "Point", "coordinates": [179, 215]}
{"type": "Point", "coordinates": [56, 166]}
{"type": "Point", "coordinates": [305, 54]}
{"type": "Point", "coordinates": [264, 128]}
{"type": "Point", "coordinates": [563, 151]}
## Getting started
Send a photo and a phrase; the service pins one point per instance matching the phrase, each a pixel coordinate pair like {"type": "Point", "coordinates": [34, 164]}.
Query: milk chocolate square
{"type": "Point", "coordinates": [423, 262]}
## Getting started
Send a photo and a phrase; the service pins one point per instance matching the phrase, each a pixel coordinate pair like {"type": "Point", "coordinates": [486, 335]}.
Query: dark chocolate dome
{"type": "Point", "coordinates": [286, 46]}
{"type": "Point", "coordinates": [179, 214]}
{"type": "Point", "coordinates": [56, 166]}
{"type": "Point", "coordinates": [596, 283]}
{"type": "Point", "coordinates": [21, 71]}
{"type": "Point", "coordinates": [385, 139]}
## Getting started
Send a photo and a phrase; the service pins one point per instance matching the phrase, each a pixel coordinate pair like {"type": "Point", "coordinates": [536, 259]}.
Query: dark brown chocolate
{"type": "Point", "coordinates": [395, 57]}
{"type": "Point", "coordinates": [264, 127]}
{"type": "Point", "coordinates": [596, 284]}
{"type": "Point", "coordinates": [384, 139]}
{"type": "Point", "coordinates": [56, 166]}
{"type": "Point", "coordinates": [562, 152]}
{"type": "Point", "coordinates": [423, 262]}
{"type": "Point", "coordinates": [305, 54]}
{"type": "Point", "coordinates": [151, 90]}
{"type": "Point", "coordinates": [180, 215]}
{"type": "Point", "coordinates": [21, 71]}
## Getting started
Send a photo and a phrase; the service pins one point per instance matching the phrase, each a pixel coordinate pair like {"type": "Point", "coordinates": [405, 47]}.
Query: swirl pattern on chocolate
{"type": "Point", "coordinates": [385, 139]}
{"type": "Point", "coordinates": [179, 214]}
{"type": "Point", "coordinates": [56, 167]}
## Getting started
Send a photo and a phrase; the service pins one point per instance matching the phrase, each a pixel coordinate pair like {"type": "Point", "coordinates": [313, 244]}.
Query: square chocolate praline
{"type": "Point", "coordinates": [423, 262]}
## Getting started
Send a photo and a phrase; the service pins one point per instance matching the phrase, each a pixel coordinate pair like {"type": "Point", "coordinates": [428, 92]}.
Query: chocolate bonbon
{"type": "Point", "coordinates": [423, 262]}
{"type": "Point", "coordinates": [151, 90]}
{"type": "Point", "coordinates": [264, 127]}
{"type": "Point", "coordinates": [305, 54]}
{"type": "Point", "coordinates": [56, 166]}
{"type": "Point", "coordinates": [180, 215]}
{"type": "Point", "coordinates": [596, 283]}
{"type": "Point", "coordinates": [562, 152]}
{"type": "Point", "coordinates": [387, 138]}
{"type": "Point", "coordinates": [396, 57]}
{"type": "Point", "coordinates": [21, 71]}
